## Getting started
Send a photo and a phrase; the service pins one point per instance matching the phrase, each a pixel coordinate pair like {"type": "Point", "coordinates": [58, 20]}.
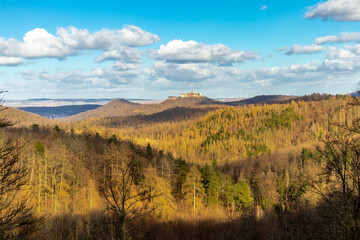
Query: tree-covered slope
{"type": "Point", "coordinates": [121, 107]}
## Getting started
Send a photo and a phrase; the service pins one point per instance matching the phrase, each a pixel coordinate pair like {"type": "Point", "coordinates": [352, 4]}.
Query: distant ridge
{"type": "Point", "coordinates": [262, 99]}
{"type": "Point", "coordinates": [121, 107]}
{"type": "Point", "coordinates": [354, 94]}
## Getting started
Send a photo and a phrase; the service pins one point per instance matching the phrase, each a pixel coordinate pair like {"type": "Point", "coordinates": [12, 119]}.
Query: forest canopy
{"type": "Point", "coordinates": [282, 171]}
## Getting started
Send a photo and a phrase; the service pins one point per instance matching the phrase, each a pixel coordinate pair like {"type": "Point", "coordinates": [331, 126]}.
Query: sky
{"type": "Point", "coordinates": [154, 49]}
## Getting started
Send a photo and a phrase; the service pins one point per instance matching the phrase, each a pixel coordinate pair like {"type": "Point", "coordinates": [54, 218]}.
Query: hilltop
{"type": "Point", "coordinates": [122, 107]}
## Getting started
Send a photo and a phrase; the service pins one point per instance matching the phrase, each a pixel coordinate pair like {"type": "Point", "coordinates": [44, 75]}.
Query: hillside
{"type": "Point", "coordinates": [171, 115]}
{"type": "Point", "coordinates": [116, 107]}
{"type": "Point", "coordinates": [121, 108]}
{"type": "Point", "coordinates": [23, 118]}
{"type": "Point", "coordinates": [252, 162]}
{"type": "Point", "coordinates": [234, 133]}
{"type": "Point", "coordinates": [262, 99]}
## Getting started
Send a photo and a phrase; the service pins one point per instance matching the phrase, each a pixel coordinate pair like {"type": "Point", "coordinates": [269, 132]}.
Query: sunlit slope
{"type": "Point", "coordinates": [22, 118]}
{"type": "Point", "coordinates": [236, 133]}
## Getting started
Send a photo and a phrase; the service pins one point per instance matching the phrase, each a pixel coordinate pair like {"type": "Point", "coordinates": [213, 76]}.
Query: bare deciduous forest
{"type": "Point", "coordinates": [282, 171]}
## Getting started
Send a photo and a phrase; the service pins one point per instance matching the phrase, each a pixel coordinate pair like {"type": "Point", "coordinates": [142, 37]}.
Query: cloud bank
{"type": "Point", "coordinates": [178, 64]}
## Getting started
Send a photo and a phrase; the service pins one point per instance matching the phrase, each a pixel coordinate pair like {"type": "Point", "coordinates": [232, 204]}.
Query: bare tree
{"type": "Point", "coordinates": [124, 199]}
{"type": "Point", "coordinates": [15, 212]}
{"type": "Point", "coordinates": [339, 184]}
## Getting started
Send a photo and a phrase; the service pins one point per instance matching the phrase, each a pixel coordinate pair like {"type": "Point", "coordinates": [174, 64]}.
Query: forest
{"type": "Point", "coordinates": [286, 170]}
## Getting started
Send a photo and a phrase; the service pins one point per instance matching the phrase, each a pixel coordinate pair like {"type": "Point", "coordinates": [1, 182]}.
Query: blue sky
{"type": "Point", "coordinates": [153, 49]}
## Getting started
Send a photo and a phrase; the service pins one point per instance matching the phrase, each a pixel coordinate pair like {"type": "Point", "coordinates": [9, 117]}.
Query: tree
{"type": "Point", "coordinates": [124, 199]}
{"type": "Point", "coordinates": [213, 184]}
{"type": "Point", "coordinates": [153, 185]}
{"type": "Point", "coordinates": [15, 211]}
{"type": "Point", "coordinates": [339, 183]}
{"type": "Point", "coordinates": [193, 190]}
{"type": "Point", "coordinates": [149, 152]}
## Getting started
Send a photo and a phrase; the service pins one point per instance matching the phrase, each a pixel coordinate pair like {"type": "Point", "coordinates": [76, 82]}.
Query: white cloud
{"type": "Point", "coordinates": [263, 7]}
{"type": "Point", "coordinates": [117, 44]}
{"type": "Point", "coordinates": [344, 37]}
{"type": "Point", "coordinates": [338, 10]}
{"type": "Point", "coordinates": [338, 64]}
{"type": "Point", "coordinates": [180, 51]}
{"type": "Point", "coordinates": [131, 36]}
{"type": "Point", "coordinates": [342, 60]}
{"type": "Point", "coordinates": [299, 49]}
{"type": "Point", "coordinates": [36, 43]}
{"type": "Point", "coordinates": [188, 72]}
{"type": "Point", "coordinates": [10, 61]}
{"type": "Point", "coordinates": [355, 48]}
{"type": "Point", "coordinates": [126, 54]}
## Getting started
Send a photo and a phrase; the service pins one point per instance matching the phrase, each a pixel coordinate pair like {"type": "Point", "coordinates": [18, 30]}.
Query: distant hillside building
{"type": "Point", "coordinates": [185, 95]}
{"type": "Point", "coordinates": [194, 94]}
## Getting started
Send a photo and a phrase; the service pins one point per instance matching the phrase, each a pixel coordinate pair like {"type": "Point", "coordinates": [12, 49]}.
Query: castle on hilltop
{"type": "Point", "coordinates": [186, 95]}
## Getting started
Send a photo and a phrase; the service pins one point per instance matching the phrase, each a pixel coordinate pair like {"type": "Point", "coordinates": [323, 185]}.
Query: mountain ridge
{"type": "Point", "coordinates": [121, 107]}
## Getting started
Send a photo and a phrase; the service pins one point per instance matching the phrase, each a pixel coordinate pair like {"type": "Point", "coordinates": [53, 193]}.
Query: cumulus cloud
{"type": "Point", "coordinates": [354, 48]}
{"type": "Point", "coordinates": [338, 10]}
{"type": "Point", "coordinates": [300, 49]}
{"type": "Point", "coordinates": [81, 39]}
{"type": "Point", "coordinates": [125, 54]}
{"type": "Point", "coordinates": [344, 37]}
{"type": "Point", "coordinates": [342, 60]}
{"type": "Point", "coordinates": [263, 7]}
{"type": "Point", "coordinates": [36, 43]}
{"type": "Point", "coordinates": [10, 61]}
{"type": "Point", "coordinates": [116, 44]}
{"type": "Point", "coordinates": [179, 51]}
{"type": "Point", "coordinates": [188, 72]}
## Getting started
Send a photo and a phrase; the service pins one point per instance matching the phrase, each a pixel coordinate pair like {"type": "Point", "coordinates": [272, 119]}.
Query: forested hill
{"type": "Point", "coordinates": [263, 99]}
{"type": "Point", "coordinates": [273, 99]}
{"type": "Point", "coordinates": [121, 108]}
{"type": "Point", "coordinates": [236, 171]}
{"type": "Point", "coordinates": [22, 118]}
{"type": "Point", "coordinates": [233, 133]}
{"type": "Point", "coordinates": [168, 116]}
{"type": "Point", "coordinates": [116, 107]}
